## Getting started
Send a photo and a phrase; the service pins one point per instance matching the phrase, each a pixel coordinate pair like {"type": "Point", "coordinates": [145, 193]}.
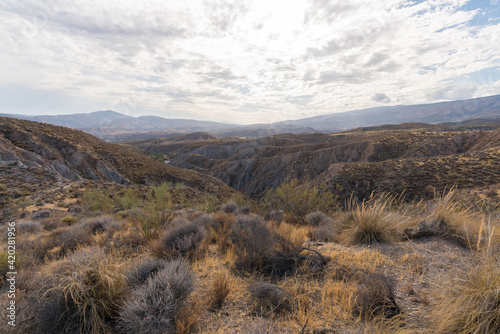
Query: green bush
{"type": "Point", "coordinates": [298, 198]}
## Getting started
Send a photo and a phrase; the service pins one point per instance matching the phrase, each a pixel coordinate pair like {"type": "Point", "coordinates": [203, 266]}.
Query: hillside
{"type": "Point", "coordinates": [359, 161]}
{"type": "Point", "coordinates": [36, 155]}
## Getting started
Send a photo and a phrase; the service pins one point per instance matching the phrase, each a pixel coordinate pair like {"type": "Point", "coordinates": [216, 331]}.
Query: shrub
{"type": "Point", "coordinates": [274, 215]}
{"type": "Point", "coordinates": [150, 223]}
{"type": "Point", "coordinates": [271, 298]}
{"type": "Point", "coordinates": [145, 270]}
{"type": "Point", "coordinates": [229, 207]}
{"type": "Point", "coordinates": [375, 296]}
{"type": "Point", "coordinates": [97, 200]}
{"type": "Point", "coordinates": [182, 240]}
{"type": "Point", "coordinates": [100, 224]}
{"type": "Point", "coordinates": [253, 242]}
{"type": "Point", "coordinates": [472, 303]}
{"type": "Point", "coordinates": [220, 289]}
{"type": "Point", "coordinates": [297, 198]}
{"type": "Point", "coordinates": [28, 226]}
{"type": "Point", "coordinates": [70, 238]}
{"type": "Point", "coordinates": [369, 222]}
{"type": "Point", "coordinates": [69, 219]}
{"type": "Point", "coordinates": [315, 218]}
{"type": "Point", "coordinates": [324, 233]}
{"type": "Point", "coordinates": [85, 299]}
{"type": "Point", "coordinates": [153, 306]}
{"type": "Point", "coordinates": [263, 326]}
{"type": "Point", "coordinates": [245, 210]}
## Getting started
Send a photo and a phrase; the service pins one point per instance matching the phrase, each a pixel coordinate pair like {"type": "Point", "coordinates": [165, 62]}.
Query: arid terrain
{"type": "Point", "coordinates": [390, 229]}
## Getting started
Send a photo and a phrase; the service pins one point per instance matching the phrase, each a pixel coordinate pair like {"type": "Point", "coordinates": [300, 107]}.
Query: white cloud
{"type": "Point", "coordinates": [247, 62]}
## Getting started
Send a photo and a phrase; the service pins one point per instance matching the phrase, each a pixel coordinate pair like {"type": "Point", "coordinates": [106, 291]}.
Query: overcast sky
{"type": "Point", "coordinates": [244, 61]}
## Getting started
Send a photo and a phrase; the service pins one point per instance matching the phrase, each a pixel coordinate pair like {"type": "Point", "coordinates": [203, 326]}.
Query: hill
{"type": "Point", "coordinates": [35, 156]}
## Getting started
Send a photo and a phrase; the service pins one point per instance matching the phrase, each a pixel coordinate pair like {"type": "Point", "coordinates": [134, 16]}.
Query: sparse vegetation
{"type": "Point", "coordinates": [326, 255]}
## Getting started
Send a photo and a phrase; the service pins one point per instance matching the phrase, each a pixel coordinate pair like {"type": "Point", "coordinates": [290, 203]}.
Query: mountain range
{"type": "Point", "coordinates": [114, 126]}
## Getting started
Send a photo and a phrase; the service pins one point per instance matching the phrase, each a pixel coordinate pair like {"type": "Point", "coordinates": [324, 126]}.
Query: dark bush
{"type": "Point", "coordinates": [245, 210]}
{"type": "Point", "coordinates": [375, 296]}
{"type": "Point", "coordinates": [274, 215]}
{"type": "Point", "coordinates": [323, 233]}
{"type": "Point", "coordinates": [153, 307]}
{"type": "Point", "coordinates": [315, 218]}
{"type": "Point", "coordinates": [271, 298]}
{"type": "Point", "coordinates": [28, 226]}
{"type": "Point", "coordinates": [253, 242]}
{"type": "Point", "coordinates": [100, 224]}
{"type": "Point", "coordinates": [146, 269]}
{"type": "Point", "coordinates": [230, 207]}
{"type": "Point", "coordinates": [182, 240]}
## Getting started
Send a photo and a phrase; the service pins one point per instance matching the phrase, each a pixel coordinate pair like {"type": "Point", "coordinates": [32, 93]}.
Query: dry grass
{"type": "Point", "coordinates": [370, 222]}
{"type": "Point", "coordinates": [472, 302]}
{"type": "Point", "coordinates": [220, 289]}
{"type": "Point", "coordinates": [97, 288]}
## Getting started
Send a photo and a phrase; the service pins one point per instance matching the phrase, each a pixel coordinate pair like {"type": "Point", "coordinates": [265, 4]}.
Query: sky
{"type": "Point", "coordinates": [244, 62]}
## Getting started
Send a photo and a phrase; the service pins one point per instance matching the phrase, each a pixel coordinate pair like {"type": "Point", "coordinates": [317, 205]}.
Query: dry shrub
{"type": "Point", "coordinates": [28, 227]}
{"type": "Point", "coordinates": [220, 227]}
{"type": "Point", "coordinates": [315, 218]}
{"type": "Point", "coordinates": [244, 210]}
{"type": "Point", "coordinates": [258, 251]}
{"type": "Point", "coordinates": [274, 215]}
{"type": "Point", "coordinates": [264, 326]}
{"type": "Point", "coordinates": [375, 296]}
{"type": "Point", "coordinates": [101, 224]}
{"type": "Point", "coordinates": [144, 270]}
{"type": "Point", "coordinates": [472, 302]}
{"type": "Point", "coordinates": [154, 306]}
{"type": "Point", "coordinates": [83, 294]}
{"type": "Point", "coordinates": [72, 237]}
{"type": "Point", "coordinates": [370, 222]}
{"type": "Point", "coordinates": [229, 207]}
{"type": "Point", "coordinates": [96, 288]}
{"type": "Point", "coordinates": [270, 298]}
{"type": "Point", "coordinates": [182, 240]}
{"type": "Point", "coordinates": [296, 235]}
{"type": "Point", "coordinates": [324, 233]}
{"type": "Point", "coordinates": [220, 289]}
{"type": "Point", "coordinates": [253, 242]}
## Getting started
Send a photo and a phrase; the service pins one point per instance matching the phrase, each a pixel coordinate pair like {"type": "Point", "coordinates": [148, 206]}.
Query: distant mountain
{"type": "Point", "coordinates": [484, 107]}
{"type": "Point", "coordinates": [113, 126]}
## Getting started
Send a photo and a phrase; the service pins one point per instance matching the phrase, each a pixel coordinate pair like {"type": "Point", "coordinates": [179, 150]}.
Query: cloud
{"type": "Point", "coordinates": [223, 60]}
{"type": "Point", "coordinates": [454, 92]}
{"type": "Point", "coordinates": [381, 97]}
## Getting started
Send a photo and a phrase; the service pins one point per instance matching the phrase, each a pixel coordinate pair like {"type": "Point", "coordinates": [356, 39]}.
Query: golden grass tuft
{"type": "Point", "coordinates": [219, 290]}
{"type": "Point", "coordinates": [97, 287]}
{"type": "Point", "coordinates": [370, 222]}
{"type": "Point", "coordinates": [472, 303]}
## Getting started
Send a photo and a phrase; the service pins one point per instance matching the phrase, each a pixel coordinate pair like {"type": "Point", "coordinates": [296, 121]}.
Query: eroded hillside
{"type": "Point", "coordinates": [361, 161]}
{"type": "Point", "coordinates": [36, 156]}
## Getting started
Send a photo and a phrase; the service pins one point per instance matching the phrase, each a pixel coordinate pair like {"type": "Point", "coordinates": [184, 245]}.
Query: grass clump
{"type": "Point", "coordinates": [369, 222]}
{"type": "Point", "coordinates": [220, 289]}
{"type": "Point", "coordinates": [153, 306]}
{"type": "Point", "coordinates": [472, 303]}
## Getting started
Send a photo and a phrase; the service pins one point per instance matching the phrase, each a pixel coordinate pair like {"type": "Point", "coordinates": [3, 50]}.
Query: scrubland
{"type": "Point", "coordinates": [154, 260]}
